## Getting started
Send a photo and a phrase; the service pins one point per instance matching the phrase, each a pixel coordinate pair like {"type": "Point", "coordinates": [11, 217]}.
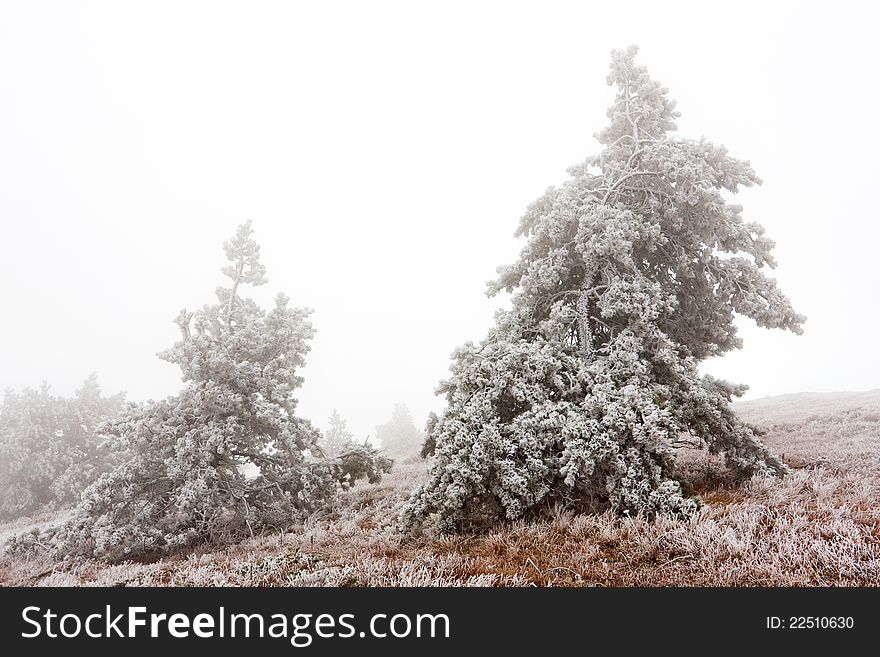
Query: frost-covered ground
{"type": "Point", "coordinates": [818, 526]}
{"type": "Point", "coordinates": [799, 406]}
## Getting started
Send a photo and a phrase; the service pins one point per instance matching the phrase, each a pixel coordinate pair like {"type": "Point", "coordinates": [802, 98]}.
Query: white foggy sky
{"type": "Point", "coordinates": [385, 152]}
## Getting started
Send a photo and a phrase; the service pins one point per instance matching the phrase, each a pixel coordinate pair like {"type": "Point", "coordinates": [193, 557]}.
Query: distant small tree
{"type": "Point", "coordinates": [399, 436]}
{"type": "Point", "coordinates": [360, 461]}
{"type": "Point", "coordinates": [227, 455]}
{"type": "Point", "coordinates": [50, 447]}
{"type": "Point", "coordinates": [337, 437]}
{"type": "Point", "coordinates": [632, 273]}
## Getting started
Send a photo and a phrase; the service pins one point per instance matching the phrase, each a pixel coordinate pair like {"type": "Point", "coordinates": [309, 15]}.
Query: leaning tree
{"type": "Point", "coordinates": [225, 457]}
{"type": "Point", "coordinates": [631, 275]}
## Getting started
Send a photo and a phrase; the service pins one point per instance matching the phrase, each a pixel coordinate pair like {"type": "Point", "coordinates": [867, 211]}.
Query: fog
{"type": "Point", "coordinates": [385, 152]}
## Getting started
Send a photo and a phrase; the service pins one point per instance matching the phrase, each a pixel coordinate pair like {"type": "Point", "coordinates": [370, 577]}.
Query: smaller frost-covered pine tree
{"type": "Point", "coordinates": [337, 437]}
{"type": "Point", "coordinates": [227, 455]}
{"type": "Point", "coordinates": [399, 436]}
{"type": "Point", "coordinates": [631, 275]}
{"type": "Point", "coordinates": [351, 461]}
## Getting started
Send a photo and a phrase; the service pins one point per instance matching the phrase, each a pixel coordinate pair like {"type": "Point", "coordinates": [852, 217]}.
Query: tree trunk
{"type": "Point", "coordinates": [585, 332]}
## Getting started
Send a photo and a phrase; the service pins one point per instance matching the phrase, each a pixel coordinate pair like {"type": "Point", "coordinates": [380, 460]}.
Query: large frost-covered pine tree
{"type": "Point", "coordinates": [632, 274]}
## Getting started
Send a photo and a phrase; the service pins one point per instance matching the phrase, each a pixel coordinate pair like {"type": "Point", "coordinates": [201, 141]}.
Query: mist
{"type": "Point", "coordinates": [385, 154]}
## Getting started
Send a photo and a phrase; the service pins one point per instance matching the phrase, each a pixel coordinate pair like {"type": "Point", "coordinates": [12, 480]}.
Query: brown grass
{"type": "Point", "coordinates": [818, 526]}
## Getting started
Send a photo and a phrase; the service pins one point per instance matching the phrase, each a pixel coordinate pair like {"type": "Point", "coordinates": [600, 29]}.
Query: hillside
{"type": "Point", "coordinates": [818, 526]}
{"type": "Point", "coordinates": [799, 406]}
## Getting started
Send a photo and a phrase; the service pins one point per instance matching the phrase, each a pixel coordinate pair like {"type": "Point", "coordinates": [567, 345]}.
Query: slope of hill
{"type": "Point", "coordinates": [799, 406]}
{"type": "Point", "coordinates": [818, 526]}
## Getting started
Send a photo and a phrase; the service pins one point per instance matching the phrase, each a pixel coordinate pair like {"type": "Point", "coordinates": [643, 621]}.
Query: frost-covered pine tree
{"type": "Point", "coordinates": [399, 436]}
{"type": "Point", "coordinates": [227, 455]}
{"type": "Point", "coordinates": [348, 460]}
{"type": "Point", "coordinates": [631, 275]}
{"type": "Point", "coordinates": [337, 437]}
{"type": "Point", "coordinates": [356, 461]}
{"type": "Point", "coordinates": [50, 448]}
